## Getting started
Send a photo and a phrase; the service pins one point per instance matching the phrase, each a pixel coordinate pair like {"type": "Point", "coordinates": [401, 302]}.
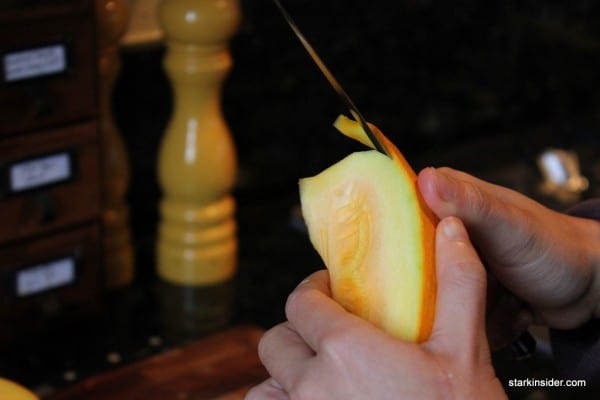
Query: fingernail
{"type": "Point", "coordinates": [304, 282]}
{"type": "Point", "coordinates": [444, 185]}
{"type": "Point", "coordinates": [453, 229]}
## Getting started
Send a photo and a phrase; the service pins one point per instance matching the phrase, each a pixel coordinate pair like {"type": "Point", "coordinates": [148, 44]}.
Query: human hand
{"type": "Point", "coordinates": [324, 352]}
{"type": "Point", "coordinates": [547, 259]}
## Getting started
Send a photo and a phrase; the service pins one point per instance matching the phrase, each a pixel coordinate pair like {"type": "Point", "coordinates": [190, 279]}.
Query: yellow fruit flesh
{"type": "Point", "coordinates": [368, 223]}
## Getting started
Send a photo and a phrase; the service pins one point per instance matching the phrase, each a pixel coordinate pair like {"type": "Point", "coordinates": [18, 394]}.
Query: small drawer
{"type": "Point", "coordinates": [45, 277]}
{"type": "Point", "coordinates": [47, 68]}
{"type": "Point", "coordinates": [49, 181]}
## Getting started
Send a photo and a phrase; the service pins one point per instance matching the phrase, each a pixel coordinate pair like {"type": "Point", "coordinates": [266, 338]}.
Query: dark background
{"type": "Point", "coordinates": [460, 83]}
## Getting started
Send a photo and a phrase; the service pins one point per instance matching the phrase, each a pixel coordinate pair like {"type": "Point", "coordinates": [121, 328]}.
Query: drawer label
{"type": "Point", "coordinates": [40, 171]}
{"type": "Point", "coordinates": [42, 277]}
{"type": "Point", "coordinates": [33, 63]}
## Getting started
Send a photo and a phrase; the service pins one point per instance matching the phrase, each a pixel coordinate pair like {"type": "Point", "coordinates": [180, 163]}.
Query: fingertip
{"type": "Point", "coordinates": [454, 246]}
{"type": "Point", "coordinates": [458, 262]}
{"type": "Point", "coordinates": [438, 191]}
{"type": "Point", "coordinates": [318, 280]}
{"type": "Point", "coordinates": [269, 389]}
{"type": "Point", "coordinates": [427, 171]}
{"type": "Point", "coordinates": [452, 228]}
{"type": "Point", "coordinates": [264, 344]}
{"type": "Point", "coordinates": [426, 184]}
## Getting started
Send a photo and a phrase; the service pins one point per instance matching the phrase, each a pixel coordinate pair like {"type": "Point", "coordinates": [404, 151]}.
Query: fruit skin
{"type": "Point", "coordinates": [376, 236]}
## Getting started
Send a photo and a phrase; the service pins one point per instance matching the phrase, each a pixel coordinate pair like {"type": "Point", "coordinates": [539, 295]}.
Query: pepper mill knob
{"type": "Point", "coordinates": [197, 242]}
{"type": "Point", "coordinates": [200, 22]}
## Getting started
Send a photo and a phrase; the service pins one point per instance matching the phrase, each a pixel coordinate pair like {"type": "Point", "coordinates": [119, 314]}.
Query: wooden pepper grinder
{"type": "Point", "coordinates": [112, 18]}
{"type": "Point", "coordinates": [197, 243]}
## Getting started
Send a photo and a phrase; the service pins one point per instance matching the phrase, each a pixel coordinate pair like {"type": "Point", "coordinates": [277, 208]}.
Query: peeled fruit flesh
{"type": "Point", "coordinates": [369, 224]}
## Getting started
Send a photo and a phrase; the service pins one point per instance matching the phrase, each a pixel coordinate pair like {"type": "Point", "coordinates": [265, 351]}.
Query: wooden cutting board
{"type": "Point", "coordinates": [223, 366]}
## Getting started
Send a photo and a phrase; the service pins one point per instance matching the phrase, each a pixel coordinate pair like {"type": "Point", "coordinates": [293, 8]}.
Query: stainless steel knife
{"type": "Point", "coordinates": [374, 136]}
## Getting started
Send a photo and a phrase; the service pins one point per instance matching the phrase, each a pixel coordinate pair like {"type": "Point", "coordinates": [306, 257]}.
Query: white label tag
{"type": "Point", "coordinates": [46, 276]}
{"type": "Point", "coordinates": [40, 171]}
{"type": "Point", "coordinates": [33, 63]}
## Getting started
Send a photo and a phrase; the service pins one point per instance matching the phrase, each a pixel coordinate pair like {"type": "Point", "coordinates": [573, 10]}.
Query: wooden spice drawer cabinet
{"type": "Point", "coordinates": [43, 275]}
{"type": "Point", "coordinates": [50, 162]}
{"type": "Point", "coordinates": [47, 54]}
{"type": "Point", "coordinates": [49, 181]}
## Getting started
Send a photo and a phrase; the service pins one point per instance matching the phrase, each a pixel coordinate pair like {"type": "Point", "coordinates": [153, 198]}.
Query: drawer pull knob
{"type": "Point", "coordinates": [47, 208]}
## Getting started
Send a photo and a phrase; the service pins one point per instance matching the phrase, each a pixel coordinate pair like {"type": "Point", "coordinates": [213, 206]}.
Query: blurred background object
{"type": "Point", "coordinates": [562, 178]}
{"type": "Point", "coordinates": [112, 18]}
{"type": "Point", "coordinates": [143, 29]}
{"type": "Point", "coordinates": [50, 190]}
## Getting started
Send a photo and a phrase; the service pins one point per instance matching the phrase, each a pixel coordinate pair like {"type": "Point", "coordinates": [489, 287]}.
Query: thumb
{"type": "Point", "coordinates": [480, 205]}
{"type": "Point", "coordinates": [459, 327]}
{"type": "Point", "coordinates": [500, 221]}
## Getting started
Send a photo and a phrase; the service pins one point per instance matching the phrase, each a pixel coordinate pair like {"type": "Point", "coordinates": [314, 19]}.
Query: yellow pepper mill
{"type": "Point", "coordinates": [112, 18]}
{"type": "Point", "coordinates": [197, 242]}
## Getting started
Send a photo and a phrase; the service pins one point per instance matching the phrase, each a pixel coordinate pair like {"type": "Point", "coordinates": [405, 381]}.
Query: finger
{"type": "Point", "coordinates": [449, 192]}
{"type": "Point", "coordinates": [316, 316]}
{"type": "Point", "coordinates": [459, 325]}
{"type": "Point", "coordinates": [267, 390]}
{"type": "Point", "coordinates": [482, 206]}
{"type": "Point", "coordinates": [458, 189]}
{"type": "Point", "coordinates": [284, 354]}
{"type": "Point", "coordinates": [485, 208]}
{"type": "Point", "coordinates": [510, 230]}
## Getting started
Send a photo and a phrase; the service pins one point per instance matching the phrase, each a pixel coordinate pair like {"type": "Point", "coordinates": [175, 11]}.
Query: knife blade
{"type": "Point", "coordinates": [374, 136]}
